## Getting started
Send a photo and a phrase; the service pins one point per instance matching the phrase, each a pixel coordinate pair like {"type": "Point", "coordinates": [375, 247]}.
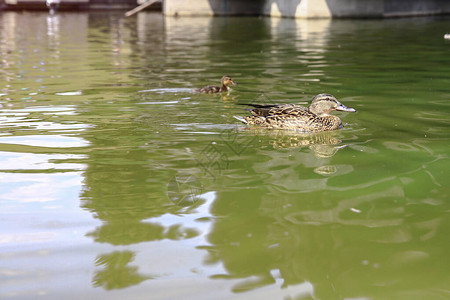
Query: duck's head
{"type": "Point", "coordinates": [227, 80]}
{"type": "Point", "coordinates": [323, 104]}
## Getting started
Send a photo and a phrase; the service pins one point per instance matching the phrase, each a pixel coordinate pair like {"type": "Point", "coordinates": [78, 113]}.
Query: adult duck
{"type": "Point", "coordinates": [316, 118]}
{"type": "Point", "coordinates": [225, 87]}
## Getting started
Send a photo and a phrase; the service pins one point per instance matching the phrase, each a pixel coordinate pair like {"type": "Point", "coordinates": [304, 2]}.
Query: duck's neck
{"type": "Point", "coordinates": [224, 88]}
{"type": "Point", "coordinates": [319, 110]}
{"type": "Point", "coordinates": [314, 109]}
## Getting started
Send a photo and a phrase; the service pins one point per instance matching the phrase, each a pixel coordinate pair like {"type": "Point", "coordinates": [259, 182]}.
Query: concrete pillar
{"type": "Point", "coordinates": [306, 8]}
{"type": "Point", "coordinates": [187, 8]}
{"type": "Point", "coordinates": [213, 7]}
{"type": "Point", "coordinates": [357, 8]}
{"type": "Point", "coordinates": [402, 8]}
{"type": "Point", "coordinates": [297, 8]}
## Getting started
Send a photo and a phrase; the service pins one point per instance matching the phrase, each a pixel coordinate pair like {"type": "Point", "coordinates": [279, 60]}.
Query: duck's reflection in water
{"type": "Point", "coordinates": [323, 145]}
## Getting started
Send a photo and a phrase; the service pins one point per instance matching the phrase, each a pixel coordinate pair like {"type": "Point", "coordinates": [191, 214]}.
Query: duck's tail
{"type": "Point", "coordinates": [242, 119]}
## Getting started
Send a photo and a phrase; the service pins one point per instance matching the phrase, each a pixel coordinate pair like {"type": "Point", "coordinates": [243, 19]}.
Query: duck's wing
{"type": "Point", "coordinates": [209, 89]}
{"type": "Point", "coordinates": [291, 110]}
{"type": "Point", "coordinates": [264, 110]}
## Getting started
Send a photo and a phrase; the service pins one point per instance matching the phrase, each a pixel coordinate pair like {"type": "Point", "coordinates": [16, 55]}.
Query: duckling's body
{"type": "Point", "coordinates": [211, 89]}
{"type": "Point", "coordinates": [316, 118]}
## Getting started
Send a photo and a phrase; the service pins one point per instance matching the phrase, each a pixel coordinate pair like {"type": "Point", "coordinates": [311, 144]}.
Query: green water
{"type": "Point", "coordinates": [117, 182]}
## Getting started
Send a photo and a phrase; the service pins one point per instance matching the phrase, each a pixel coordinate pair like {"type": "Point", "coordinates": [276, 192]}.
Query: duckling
{"type": "Point", "coordinates": [316, 118]}
{"type": "Point", "coordinates": [210, 89]}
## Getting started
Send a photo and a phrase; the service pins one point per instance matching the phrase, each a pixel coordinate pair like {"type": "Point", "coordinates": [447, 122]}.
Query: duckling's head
{"type": "Point", "coordinates": [227, 80]}
{"type": "Point", "coordinates": [323, 104]}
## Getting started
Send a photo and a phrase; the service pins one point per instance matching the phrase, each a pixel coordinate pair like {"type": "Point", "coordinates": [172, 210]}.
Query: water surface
{"type": "Point", "coordinates": [116, 180]}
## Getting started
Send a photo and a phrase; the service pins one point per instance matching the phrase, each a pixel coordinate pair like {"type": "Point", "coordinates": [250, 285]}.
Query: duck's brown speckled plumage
{"type": "Point", "coordinates": [316, 118]}
{"type": "Point", "coordinates": [211, 89]}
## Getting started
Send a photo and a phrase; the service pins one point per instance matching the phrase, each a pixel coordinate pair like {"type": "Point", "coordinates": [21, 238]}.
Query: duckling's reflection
{"type": "Point", "coordinates": [227, 97]}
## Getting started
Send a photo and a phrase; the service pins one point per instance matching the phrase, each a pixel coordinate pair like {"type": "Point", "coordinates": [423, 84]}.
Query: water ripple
{"type": "Point", "coordinates": [56, 141]}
